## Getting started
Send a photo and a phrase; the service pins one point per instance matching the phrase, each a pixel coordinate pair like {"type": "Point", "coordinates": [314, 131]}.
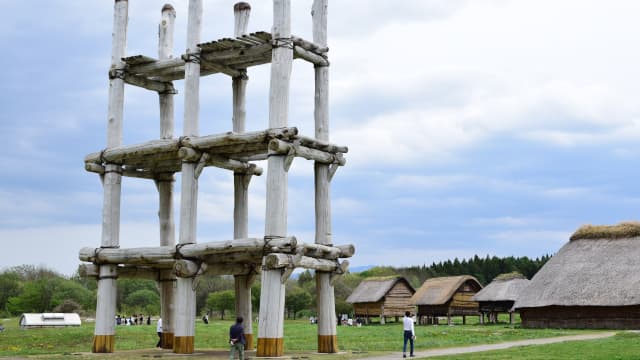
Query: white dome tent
{"type": "Point", "coordinates": [31, 320]}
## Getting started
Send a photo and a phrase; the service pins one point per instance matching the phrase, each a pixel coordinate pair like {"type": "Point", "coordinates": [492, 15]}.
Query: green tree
{"type": "Point", "coordinates": [296, 300]}
{"type": "Point", "coordinates": [144, 300]}
{"type": "Point", "coordinates": [67, 306]}
{"type": "Point", "coordinates": [127, 287]}
{"type": "Point", "coordinates": [36, 296]}
{"type": "Point", "coordinates": [379, 271]}
{"type": "Point", "coordinates": [255, 296]}
{"type": "Point", "coordinates": [10, 286]}
{"type": "Point", "coordinates": [221, 301]}
{"type": "Point", "coordinates": [208, 284]}
{"type": "Point", "coordinates": [71, 290]}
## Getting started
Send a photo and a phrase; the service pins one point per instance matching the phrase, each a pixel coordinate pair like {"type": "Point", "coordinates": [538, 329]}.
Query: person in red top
{"type": "Point", "coordinates": [236, 339]}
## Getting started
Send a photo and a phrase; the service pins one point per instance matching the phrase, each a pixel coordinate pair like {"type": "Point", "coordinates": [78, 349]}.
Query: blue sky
{"type": "Point", "coordinates": [474, 127]}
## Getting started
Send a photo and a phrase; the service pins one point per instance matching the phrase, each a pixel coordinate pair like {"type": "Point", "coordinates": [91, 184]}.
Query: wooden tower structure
{"type": "Point", "coordinates": [277, 254]}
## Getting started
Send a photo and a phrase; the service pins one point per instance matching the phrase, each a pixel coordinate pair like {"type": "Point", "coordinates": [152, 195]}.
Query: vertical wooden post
{"type": "Point", "coordinates": [243, 283]}
{"type": "Point", "coordinates": [271, 324]}
{"type": "Point", "coordinates": [185, 293]}
{"type": "Point", "coordinates": [327, 332]}
{"type": "Point", "coordinates": [104, 335]}
{"type": "Point", "coordinates": [165, 187]}
{"type": "Point", "coordinates": [511, 317]}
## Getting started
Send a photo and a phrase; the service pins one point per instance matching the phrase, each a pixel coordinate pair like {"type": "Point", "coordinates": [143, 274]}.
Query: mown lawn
{"type": "Point", "coordinates": [622, 346]}
{"type": "Point", "coordinates": [300, 337]}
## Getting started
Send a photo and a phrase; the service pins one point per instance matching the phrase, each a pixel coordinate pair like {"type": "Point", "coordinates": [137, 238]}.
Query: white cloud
{"type": "Point", "coordinates": [526, 238]}
{"type": "Point", "coordinates": [542, 80]}
{"type": "Point", "coordinates": [429, 181]}
{"type": "Point", "coordinates": [509, 221]}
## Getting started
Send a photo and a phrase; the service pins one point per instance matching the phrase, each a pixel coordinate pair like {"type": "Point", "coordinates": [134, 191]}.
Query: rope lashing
{"type": "Point", "coordinates": [192, 58]}
{"type": "Point", "coordinates": [282, 42]}
{"type": "Point", "coordinates": [117, 74]}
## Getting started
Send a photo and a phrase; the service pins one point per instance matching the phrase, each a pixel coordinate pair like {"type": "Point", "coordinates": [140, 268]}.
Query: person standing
{"type": "Point", "coordinates": [236, 339]}
{"type": "Point", "coordinates": [159, 331]}
{"type": "Point", "coordinates": [409, 333]}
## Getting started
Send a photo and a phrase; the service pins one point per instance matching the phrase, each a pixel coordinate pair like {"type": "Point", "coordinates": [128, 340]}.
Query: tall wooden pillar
{"type": "Point", "coordinates": [243, 283]}
{"type": "Point", "coordinates": [104, 335]}
{"type": "Point", "coordinates": [271, 323]}
{"type": "Point", "coordinates": [165, 186]}
{"type": "Point", "coordinates": [183, 342]}
{"type": "Point", "coordinates": [327, 332]}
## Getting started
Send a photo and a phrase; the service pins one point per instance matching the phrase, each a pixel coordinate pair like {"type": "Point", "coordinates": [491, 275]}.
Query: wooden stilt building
{"type": "Point", "coordinates": [446, 296]}
{"type": "Point", "coordinates": [273, 257]}
{"type": "Point", "coordinates": [499, 296]}
{"type": "Point", "coordinates": [382, 297]}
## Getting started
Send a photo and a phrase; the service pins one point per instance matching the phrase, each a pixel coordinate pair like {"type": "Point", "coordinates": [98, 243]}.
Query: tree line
{"type": "Point", "coordinates": [27, 288]}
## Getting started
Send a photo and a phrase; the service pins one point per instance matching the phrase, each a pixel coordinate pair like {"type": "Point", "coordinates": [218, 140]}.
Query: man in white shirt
{"type": "Point", "coordinates": [159, 331]}
{"type": "Point", "coordinates": [409, 333]}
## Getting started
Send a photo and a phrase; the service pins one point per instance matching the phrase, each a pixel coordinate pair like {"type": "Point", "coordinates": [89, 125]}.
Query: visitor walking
{"type": "Point", "coordinates": [159, 331]}
{"type": "Point", "coordinates": [409, 333]}
{"type": "Point", "coordinates": [236, 339]}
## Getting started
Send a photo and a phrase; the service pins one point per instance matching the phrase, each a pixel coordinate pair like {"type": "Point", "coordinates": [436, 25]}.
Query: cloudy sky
{"type": "Point", "coordinates": [474, 127]}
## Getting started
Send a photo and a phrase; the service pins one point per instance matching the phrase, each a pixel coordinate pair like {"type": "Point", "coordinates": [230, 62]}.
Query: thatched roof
{"type": "Point", "coordinates": [437, 291]}
{"type": "Point", "coordinates": [375, 288]}
{"type": "Point", "coordinates": [624, 230]}
{"type": "Point", "coordinates": [505, 287]}
{"type": "Point", "coordinates": [604, 271]}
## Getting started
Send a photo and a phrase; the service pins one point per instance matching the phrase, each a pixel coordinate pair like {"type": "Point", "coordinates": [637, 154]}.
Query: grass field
{"type": "Point", "coordinates": [300, 338]}
{"type": "Point", "coordinates": [623, 346]}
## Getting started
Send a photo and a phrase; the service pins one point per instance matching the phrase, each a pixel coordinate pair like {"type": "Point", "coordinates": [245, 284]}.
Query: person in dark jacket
{"type": "Point", "coordinates": [236, 339]}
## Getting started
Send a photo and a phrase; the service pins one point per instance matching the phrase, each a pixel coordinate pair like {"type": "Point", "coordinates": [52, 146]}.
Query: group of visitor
{"type": "Point", "coordinates": [135, 319]}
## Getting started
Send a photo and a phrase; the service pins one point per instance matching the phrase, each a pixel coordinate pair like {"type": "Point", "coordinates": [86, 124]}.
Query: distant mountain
{"type": "Point", "coordinates": [357, 269]}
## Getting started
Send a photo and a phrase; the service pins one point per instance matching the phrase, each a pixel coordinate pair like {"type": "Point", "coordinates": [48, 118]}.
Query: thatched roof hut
{"type": "Point", "coordinates": [446, 296]}
{"type": "Point", "coordinates": [382, 297]}
{"type": "Point", "coordinates": [592, 282]}
{"type": "Point", "coordinates": [500, 295]}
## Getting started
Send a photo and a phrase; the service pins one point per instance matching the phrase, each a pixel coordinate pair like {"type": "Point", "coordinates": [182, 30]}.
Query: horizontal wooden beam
{"type": "Point", "coordinates": [280, 147]}
{"type": "Point", "coordinates": [311, 57]}
{"type": "Point", "coordinates": [279, 261]}
{"type": "Point", "coordinates": [92, 270]}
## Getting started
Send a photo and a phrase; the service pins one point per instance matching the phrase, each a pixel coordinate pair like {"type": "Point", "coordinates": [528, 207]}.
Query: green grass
{"type": "Point", "coordinates": [300, 337]}
{"type": "Point", "coordinates": [622, 346]}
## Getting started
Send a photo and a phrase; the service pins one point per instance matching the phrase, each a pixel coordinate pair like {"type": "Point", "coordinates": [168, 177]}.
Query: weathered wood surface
{"type": "Point", "coordinates": [188, 268]}
{"type": "Point", "coordinates": [104, 333]}
{"type": "Point", "coordinates": [93, 271]}
{"type": "Point", "coordinates": [232, 151]}
{"type": "Point", "coordinates": [278, 261]}
{"type": "Point", "coordinates": [185, 310]}
{"type": "Point", "coordinates": [248, 249]}
{"type": "Point", "coordinates": [228, 56]}
{"type": "Point", "coordinates": [328, 252]}
{"type": "Point", "coordinates": [271, 323]}
{"type": "Point", "coordinates": [238, 245]}
{"type": "Point", "coordinates": [166, 278]}
{"type": "Point", "coordinates": [280, 147]}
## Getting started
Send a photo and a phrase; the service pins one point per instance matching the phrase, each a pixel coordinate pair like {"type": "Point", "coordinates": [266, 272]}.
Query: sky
{"type": "Point", "coordinates": [488, 127]}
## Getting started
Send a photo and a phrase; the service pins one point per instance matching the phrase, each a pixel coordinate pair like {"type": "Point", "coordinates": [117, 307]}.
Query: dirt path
{"type": "Point", "coordinates": [500, 346]}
